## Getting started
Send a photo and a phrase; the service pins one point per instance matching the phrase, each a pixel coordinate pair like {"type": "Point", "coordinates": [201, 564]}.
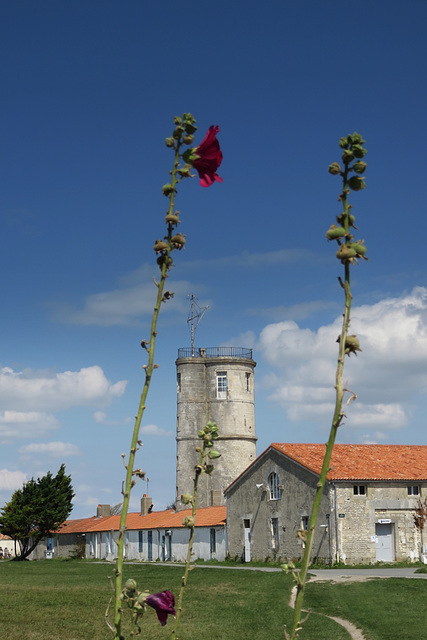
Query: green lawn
{"type": "Point", "coordinates": [52, 600]}
{"type": "Point", "coordinates": [385, 609]}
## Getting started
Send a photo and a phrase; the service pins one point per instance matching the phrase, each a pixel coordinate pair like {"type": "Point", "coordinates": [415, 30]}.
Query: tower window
{"type": "Point", "coordinates": [248, 378]}
{"type": "Point", "coordinates": [273, 484]}
{"type": "Point", "coordinates": [178, 382]}
{"type": "Point", "coordinates": [221, 385]}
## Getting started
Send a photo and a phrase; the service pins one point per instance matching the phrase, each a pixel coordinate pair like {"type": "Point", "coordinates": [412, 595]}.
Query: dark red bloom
{"type": "Point", "coordinates": [163, 603]}
{"type": "Point", "coordinates": [207, 157]}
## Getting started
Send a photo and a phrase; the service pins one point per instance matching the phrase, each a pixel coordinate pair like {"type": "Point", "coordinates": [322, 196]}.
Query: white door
{"type": "Point", "coordinates": [247, 524]}
{"type": "Point", "coordinates": [384, 539]}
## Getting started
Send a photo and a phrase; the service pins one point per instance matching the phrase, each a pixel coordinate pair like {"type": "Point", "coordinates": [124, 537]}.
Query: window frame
{"type": "Point", "coordinates": [275, 491]}
{"type": "Point", "coordinates": [360, 490]}
{"type": "Point", "coordinates": [411, 491]}
{"type": "Point", "coordinates": [221, 385]}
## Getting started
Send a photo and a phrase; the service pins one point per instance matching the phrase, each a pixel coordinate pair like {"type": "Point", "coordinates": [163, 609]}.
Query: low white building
{"type": "Point", "coordinates": [153, 536]}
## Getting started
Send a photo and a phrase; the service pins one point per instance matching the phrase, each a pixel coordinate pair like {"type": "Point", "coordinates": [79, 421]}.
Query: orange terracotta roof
{"type": "Point", "coordinates": [207, 517]}
{"type": "Point", "coordinates": [362, 461]}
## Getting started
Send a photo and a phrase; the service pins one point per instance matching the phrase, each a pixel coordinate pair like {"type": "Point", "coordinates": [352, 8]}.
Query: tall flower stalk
{"type": "Point", "coordinates": [349, 251]}
{"type": "Point", "coordinates": [182, 136]}
{"type": "Point", "coordinates": [207, 454]}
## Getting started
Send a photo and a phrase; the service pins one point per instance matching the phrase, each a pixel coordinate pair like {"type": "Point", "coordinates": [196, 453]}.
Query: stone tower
{"type": "Point", "coordinates": [214, 384]}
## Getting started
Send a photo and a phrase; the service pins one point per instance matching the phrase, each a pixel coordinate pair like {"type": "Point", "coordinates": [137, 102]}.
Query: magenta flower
{"type": "Point", "coordinates": [207, 157]}
{"type": "Point", "coordinates": [163, 603]}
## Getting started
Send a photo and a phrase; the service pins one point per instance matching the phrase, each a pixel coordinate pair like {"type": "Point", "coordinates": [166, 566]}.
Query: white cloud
{"type": "Point", "coordinates": [154, 430]}
{"type": "Point", "coordinates": [385, 376]}
{"type": "Point", "coordinates": [48, 391]}
{"type": "Point", "coordinates": [11, 480]}
{"type": "Point", "coordinates": [24, 424]}
{"type": "Point", "coordinates": [53, 449]}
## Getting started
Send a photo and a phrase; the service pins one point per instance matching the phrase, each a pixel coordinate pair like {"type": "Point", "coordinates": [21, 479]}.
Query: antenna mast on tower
{"type": "Point", "coordinates": [196, 314]}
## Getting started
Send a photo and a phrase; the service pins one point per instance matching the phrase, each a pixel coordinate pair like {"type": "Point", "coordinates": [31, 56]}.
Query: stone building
{"type": "Point", "coordinates": [214, 384]}
{"type": "Point", "coordinates": [367, 512]}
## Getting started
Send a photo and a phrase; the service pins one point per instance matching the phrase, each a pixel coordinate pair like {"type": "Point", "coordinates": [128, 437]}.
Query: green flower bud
{"type": "Point", "coordinates": [352, 345]}
{"type": "Point", "coordinates": [167, 189]}
{"type": "Point", "coordinates": [214, 454]}
{"type": "Point", "coordinates": [209, 468]}
{"type": "Point", "coordinates": [177, 134]}
{"type": "Point", "coordinates": [351, 219]}
{"type": "Point", "coordinates": [169, 142]}
{"type": "Point", "coordinates": [356, 183]}
{"type": "Point", "coordinates": [177, 120]}
{"type": "Point", "coordinates": [184, 172]}
{"type": "Point", "coordinates": [346, 253]}
{"type": "Point", "coordinates": [334, 232]}
{"type": "Point", "coordinates": [188, 522]}
{"type": "Point", "coordinates": [347, 156]}
{"type": "Point", "coordinates": [130, 585]}
{"type": "Point", "coordinates": [201, 434]}
{"type": "Point", "coordinates": [358, 151]}
{"type": "Point", "coordinates": [334, 169]}
{"type": "Point", "coordinates": [162, 258]}
{"type": "Point", "coordinates": [188, 139]}
{"type": "Point", "coordinates": [343, 143]}
{"type": "Point", "coordinates": [359, 247]}
{"type": "Point", "coordinates": [359, 167]}
{"type": "Point", "coordinates": [186, 498]}
{"type": "Point", "coordinates": [357, 138]}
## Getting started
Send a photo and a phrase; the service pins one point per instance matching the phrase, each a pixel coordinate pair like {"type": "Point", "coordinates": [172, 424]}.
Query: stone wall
{"type": "Point", "coordinates": [356, 519]}
{"type": "Point", "coordinates": [249, 502]}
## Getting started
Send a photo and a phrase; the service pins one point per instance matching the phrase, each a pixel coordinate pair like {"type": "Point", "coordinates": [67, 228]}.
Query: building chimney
{"type": "Point", "coordinates": [146, 505]}
{"type": "Point", "coordinates": [103, 511]}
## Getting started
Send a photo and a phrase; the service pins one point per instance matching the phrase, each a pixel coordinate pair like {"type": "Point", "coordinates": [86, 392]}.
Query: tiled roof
{"type": "Point", "coordinates": [207, 517]}
{"type": "Point", "coordinates": [362, 461]}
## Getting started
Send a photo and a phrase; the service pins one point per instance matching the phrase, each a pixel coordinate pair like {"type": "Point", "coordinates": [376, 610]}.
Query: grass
{"type": "Point", "coordinates": [54, 599]}
{"type": "Point", "coordinates": [384, 609]}
{"type": "Point", "coordinates": [58, 599]}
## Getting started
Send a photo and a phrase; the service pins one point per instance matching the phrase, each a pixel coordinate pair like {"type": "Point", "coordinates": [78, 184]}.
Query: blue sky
{"type": "Point", "coordinates": [89, 94]}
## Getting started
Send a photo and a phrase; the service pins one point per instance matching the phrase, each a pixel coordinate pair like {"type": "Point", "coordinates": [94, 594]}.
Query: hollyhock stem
{"type": "Point", "coordinates": [207, 435]}
{"type": "Point", "coordinates": [135, 436]}
{"type": "Point", "coordinates": [338, 413]}
{"type": "Point", "coordinates": [187, 562]}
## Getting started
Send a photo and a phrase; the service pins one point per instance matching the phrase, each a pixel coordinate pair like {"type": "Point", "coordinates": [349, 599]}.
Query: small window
{"type": "Point", "coordinates": [359, 490]}
{"type": "Point", "coordinates": [178, 383]}
{"type": "Point", "coordinates": [140, 541]}
{"type": "Point", "coordinates": [413, 490]}
{"type": "Point", "coordinates": [304, 523]}
{"type": "Point", "coordinates": [248, 382]}
{"type": "Point", "coordinates": [275, 533]}
{"type": "Point", "coordinates": [221, 385]}
{"type": "Point", "coordinates": [273, 484]}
